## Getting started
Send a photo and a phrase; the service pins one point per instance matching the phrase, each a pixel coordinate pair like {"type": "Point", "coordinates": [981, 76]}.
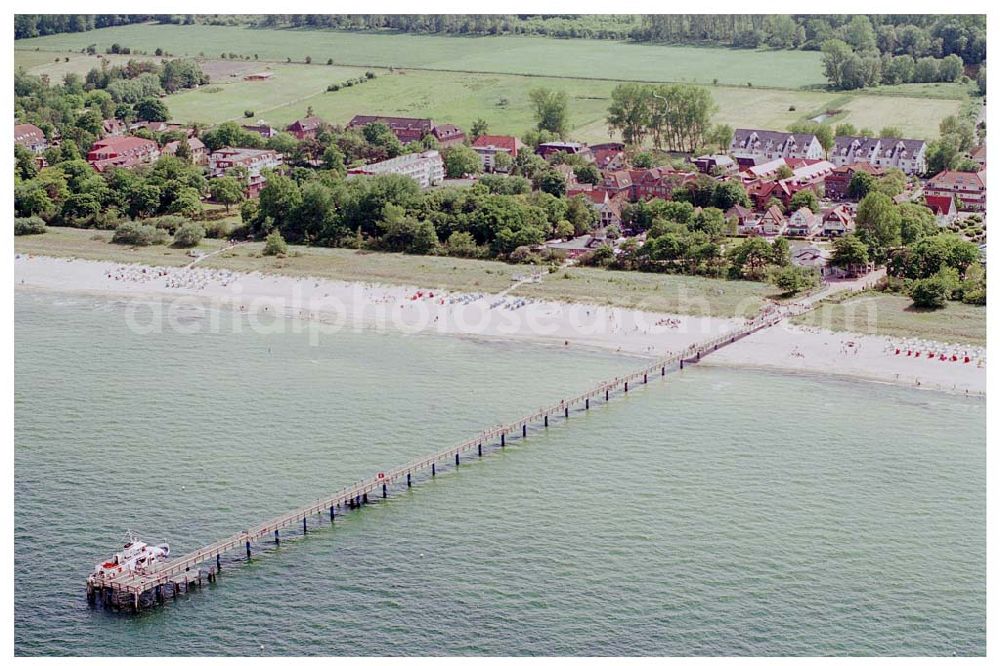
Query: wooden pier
{"type": "Point", "coordinates": [188, 572]}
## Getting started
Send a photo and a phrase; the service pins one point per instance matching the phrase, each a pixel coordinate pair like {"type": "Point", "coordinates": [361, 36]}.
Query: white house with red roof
{"type": "Point", "coordinates": [489, 145]}
{"type": "Point", "coordinates": [771, 223]}
{"type": "Point", "coordinates": [968, 188]}
{"type": "Point", "coordinates": [837, 221]}
{"type": "Point", "coordinates": [942, 206]}
{"type": "Point", "coordinates": [608, 205]}
{"type": "Point", "coordinates": [803, 223]}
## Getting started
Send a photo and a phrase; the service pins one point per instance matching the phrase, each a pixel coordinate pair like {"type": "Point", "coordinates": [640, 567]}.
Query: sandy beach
{"type": "Point", "coordinates": [323, 306]}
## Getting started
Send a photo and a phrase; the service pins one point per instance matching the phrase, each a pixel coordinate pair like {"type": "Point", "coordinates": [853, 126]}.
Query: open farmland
{"type": "Point", "coordinates": [57, 65]}
{"type": "Point", "coordinates": [536, 56]}
{"type": "Point", "coordinates": [419, 85]}
{"type": "Point", "coordinates": [502, 100]}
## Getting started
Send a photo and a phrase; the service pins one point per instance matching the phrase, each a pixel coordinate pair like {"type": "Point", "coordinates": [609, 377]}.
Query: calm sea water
{"type": "Point", "coordinates": [721, 512]}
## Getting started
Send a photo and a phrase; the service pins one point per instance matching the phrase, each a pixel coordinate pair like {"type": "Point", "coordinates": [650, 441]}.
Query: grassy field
{"type": "Point", "coordinates": [94, 244]}
{"type": "Point", "coordinates": [500, 99]}
{"type": "Point", "coordinates": [664, 293]}
{"type": "Point", "coordinates": [461, 79]}
{"type": "Point", "coordinates": [55, 65]}
{"type": "Point", "coordinates": [506, 54]}
{"type": "Point", "coordinates": [889, 314]}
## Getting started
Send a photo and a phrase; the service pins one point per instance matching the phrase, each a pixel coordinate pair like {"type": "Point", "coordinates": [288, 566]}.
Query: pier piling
{"type": "Point", "coordinates": [248, 549]}
{"type": "Point", "coordinates": [456, 460]}
{"type": "Point", "coordinates": [305, 527]}
{"type": "Point", "coordinates": [385, 491]}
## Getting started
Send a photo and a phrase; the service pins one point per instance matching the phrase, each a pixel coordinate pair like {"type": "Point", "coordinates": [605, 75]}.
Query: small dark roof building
{"type": "Point", "coordinates": [306, 128]}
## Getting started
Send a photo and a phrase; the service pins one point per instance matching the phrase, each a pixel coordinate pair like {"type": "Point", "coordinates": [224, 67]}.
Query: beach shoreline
{"type": "Point", "coordinates": [324, 306]}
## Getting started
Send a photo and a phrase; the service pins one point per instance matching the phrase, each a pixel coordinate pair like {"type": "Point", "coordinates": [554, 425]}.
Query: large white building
{"type": "Point", "coordinates": [765, 145]}
{"type": "Point", "coordinates": [908, 155]}
{"type": "Point", "coordinates": [427, 168]}
{"type": "Point", "coordinates": [254, 161]}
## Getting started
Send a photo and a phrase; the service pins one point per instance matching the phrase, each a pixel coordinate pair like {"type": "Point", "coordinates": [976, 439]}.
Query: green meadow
{"type": "Point", "coordinates": [502, 100]}
{"type": "Point", "coordinates": [536, 56]}
{"type": "Point", "coordinates": [894, 315]}
{"type": "Point", "coordinates": [461, 79]}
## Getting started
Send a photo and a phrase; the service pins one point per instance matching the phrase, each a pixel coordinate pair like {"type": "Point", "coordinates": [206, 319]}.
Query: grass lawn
{"type": "Point", "coordinates": [665, 293]}
{"type": "Point", "coordinates": [280, 100]}
{"type": "Point", "coordinates": [890, 314]}
{"type": "Point", "coordinates": [959, 91]}
{"type": "Point", "coordinates": [94, 244]}
{"type": "Point", "coordinates": [502, 100]}
{"type": "Point", "coordinates": [917, 118]}
{"type": "Point", "coordinates": [55, 65]}
{"type": "Point", "coordinates": [504, 54]}
{"type": "Point", "coordinates": [461, 97]}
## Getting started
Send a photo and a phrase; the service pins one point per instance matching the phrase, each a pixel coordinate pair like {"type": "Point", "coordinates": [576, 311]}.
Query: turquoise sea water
{"type": "Point", "coordinates": [721, 512]}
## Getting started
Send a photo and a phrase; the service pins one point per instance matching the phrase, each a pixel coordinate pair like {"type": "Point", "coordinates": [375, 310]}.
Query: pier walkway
{"type": "Point", "coordinates": [177, 575]}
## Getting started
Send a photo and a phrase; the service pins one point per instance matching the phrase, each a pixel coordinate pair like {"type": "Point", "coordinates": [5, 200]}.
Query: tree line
{"type": "Point", "coordinates": [916, 35]}
{"type": "Point", "coordinates": [848, 69]}
{"type": "Point", "coordinates": [39, 25]}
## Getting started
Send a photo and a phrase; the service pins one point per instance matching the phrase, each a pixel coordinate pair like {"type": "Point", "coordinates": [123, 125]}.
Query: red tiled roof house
{"type": "Point", "coordinates": [968, 188]}
{"type": "Point", "coordinates": [408, 130]}
{"type": "Point", "coordinates": [306, 128]}
{"type": "Point", "coordinates": [489, 145]}
{"type": "Point", "coordinates": [122, 151]}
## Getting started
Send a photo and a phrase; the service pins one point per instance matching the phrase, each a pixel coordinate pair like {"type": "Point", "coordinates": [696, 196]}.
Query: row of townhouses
{"type": "Point", "coordinates": [751, 146]}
